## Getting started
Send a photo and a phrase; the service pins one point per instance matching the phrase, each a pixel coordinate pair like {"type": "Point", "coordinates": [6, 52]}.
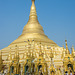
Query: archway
{"type": "Point", "coordinates": [70, 68]}
{"type": "Point", "coordinates": [33, 68]}
{"type": "Point", "coordinates": [39, 67]}
{"type": "Point", "coordinates": [11, 69]}
{"type": "Point", "coordinates": [26, 69]}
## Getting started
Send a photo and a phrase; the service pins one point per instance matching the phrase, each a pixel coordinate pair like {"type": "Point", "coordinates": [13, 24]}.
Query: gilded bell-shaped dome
{"type": "Point", "coordinates": [33, 30]}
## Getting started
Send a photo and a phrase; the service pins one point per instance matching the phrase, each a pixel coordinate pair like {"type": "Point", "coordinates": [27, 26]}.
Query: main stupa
{"type": "Point", "coordinates": [32, 31]}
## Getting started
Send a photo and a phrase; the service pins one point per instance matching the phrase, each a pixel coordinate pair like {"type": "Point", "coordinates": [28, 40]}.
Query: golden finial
{"type": "Point", "coordinates": [10, 57]}
{"type": "Point", "coordinates": [33, 11]}
{"type": "Point", "coordinates": [40, 53]}
{"type": "Point", "coordinates": [15, 56]}
{"type": "Point", "coordinates": [40, 49]}
{"type": "Point", "coordinates": [72, 49]}
{"type": "Point", "coordinates": [51, 54]}
{"type": "Point", "coordinates": [66, 44]}
{"type": "Point", "coordinates": [33, 0]}
{"type": "Point", "coordinates": [63, 48]}
{"type": "Point", "coordinates": [63, 52]}
{"type": "Point", "coordinates": [67, 51]}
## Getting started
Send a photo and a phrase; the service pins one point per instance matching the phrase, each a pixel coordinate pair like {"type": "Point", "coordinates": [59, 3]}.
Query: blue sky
{"type": "Point", "coordinates": [57, 18]}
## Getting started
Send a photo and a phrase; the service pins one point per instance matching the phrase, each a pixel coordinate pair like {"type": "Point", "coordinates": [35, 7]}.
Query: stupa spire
{"type": "Point", "coordinates": [33, 9]}
{"type": "Point", "coordinates": [33, 25]}
{"type": "Point", "coordinates": [33, 14]}
{"type": "Point", "coordinates": [67, 51]}
{"type": "Point", "coordinates": [72, 50]}
{"type": "Point", "coordinates": [10, 56]}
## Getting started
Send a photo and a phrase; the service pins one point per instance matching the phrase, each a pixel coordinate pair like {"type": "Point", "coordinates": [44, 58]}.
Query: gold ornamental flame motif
{"type": "Point", "coordinates": [33, 30]}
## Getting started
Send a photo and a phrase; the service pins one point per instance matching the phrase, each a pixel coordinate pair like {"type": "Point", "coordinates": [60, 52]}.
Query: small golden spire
{"type": "Point", "coordinates": [63, 49]}
{"type": "Point", "coordinates": [72, 50]}
{"type": "Point", "coordinates": [66, 44]}
{"type": "Point", "coordinates": [40, 53]}
{"type": "Point", "coordinates": [15, 52]}
{"type": "Point", "coordinates": [63, 52]}
{"type": "Point", "coordinates": [67, 51]}
{"type": "Point", "coordinates": [51, 54]}
{"type": "Point", "coordinates": [16, 56]}
{"type": "Point", "coordinates": [10, 57]}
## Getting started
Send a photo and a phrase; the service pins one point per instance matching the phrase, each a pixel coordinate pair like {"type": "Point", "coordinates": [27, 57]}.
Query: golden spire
{"type": "Point", "coordinates": [10, 57]}
{"type": "Point", "coordinates": [72, 50]}
{"type": "Point", "coordinates": [63, 52]}
{"type": "Point", "coordinates": [67, 51]}
{"type": "Point", "coordinates": [33, 25]}
{"type": "Point", "coordinates": [33, 10]}
{"type": "Point", "coordinates": [63, 47]}
{"type": "Point", "coordinates": [15, 52]}
{"type": "Point", "coordinates": [29, 48]}
{"type": "Point", "coordinates": [24, 55]}
{"type": "Point", "coordinates": [40, 53]}
{"type": "Point", "coordinates": [33, 14]}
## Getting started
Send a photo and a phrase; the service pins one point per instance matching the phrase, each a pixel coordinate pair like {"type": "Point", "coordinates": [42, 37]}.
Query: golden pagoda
{"type": "Point", "coordinates": [32, 31]}
{"type": "Point", "coordinates": [31, 52]}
